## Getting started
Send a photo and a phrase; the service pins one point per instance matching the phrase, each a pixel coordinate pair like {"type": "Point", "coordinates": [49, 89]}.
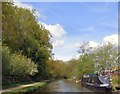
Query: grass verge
{"type": "Point", "coordinates": [12, 85]}
{"type": "Point", "coordinates": [26, 89]}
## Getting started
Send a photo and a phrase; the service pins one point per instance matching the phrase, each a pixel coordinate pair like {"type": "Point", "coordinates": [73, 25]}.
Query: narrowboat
{"type": "Point", "coordinates": [97, 81]}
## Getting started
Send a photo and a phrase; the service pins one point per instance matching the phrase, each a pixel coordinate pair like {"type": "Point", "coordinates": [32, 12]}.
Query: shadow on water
{"type": "Point", "coordinates": [65, 86]}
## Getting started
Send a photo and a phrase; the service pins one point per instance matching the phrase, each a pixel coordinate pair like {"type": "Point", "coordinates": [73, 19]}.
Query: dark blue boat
{"type": "Point", "coordinates": [97, 81]}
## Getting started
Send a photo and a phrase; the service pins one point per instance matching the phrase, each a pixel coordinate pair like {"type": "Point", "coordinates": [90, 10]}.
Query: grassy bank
{"type": "Point", "coordinates": [22, 89]}
{"type": "Point", "coordinates": [28, 89]}
{"type": "Point", "coordinates": [11, 85]}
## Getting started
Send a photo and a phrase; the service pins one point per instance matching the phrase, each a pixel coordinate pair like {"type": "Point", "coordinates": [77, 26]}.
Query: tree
{"type": "Point", "coordinates": [105, 57]}
{"type": "Point", "coordinates": [84, 48]}
{"type": "Point", "coordinates": [23, 34]}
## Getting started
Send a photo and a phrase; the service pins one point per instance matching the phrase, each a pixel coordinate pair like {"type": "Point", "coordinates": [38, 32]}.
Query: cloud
{"type": "Point", "coordinates": [65, 52]}
{"type": "Point", "coordinates": [21, 5]}
{"type": "Point", "coordinates": [93, 44]}
{"type": "Point", "coordinates": [26, 6]}
{"type": "Point", "coordinates": [76, 45]}
{"type": "Point", "coordinates": [113, 39]}
{"type": "Point", "coordinates": [62, 57]}
{"type": "Point", "coordinates": [90, 44]}
{"type": "Point", "coordinates": [57, 32]}
{"type": "Point", "coordinates": [58, 42]}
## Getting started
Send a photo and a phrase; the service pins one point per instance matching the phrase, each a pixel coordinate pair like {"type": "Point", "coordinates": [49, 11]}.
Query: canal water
{"type": "Point", "coordinates": [65, 86]}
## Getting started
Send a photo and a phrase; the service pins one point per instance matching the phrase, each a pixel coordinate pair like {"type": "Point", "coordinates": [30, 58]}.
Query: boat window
{"type": "Point", "coordinates": [90, 80]}
{"type": "Point", "coordinates": [94, 79]}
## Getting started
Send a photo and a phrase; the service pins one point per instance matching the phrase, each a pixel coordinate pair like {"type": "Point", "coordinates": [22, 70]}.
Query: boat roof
{"type": "Point", "coordinates": [89, 75]}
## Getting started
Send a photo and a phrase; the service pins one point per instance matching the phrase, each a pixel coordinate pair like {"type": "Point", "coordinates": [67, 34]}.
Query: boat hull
{"type": "Point", "coordinates": [95, 83]}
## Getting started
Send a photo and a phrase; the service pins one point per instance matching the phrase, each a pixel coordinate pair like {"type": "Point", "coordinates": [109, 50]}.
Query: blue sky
{"type": "Point", "coordinates": [78, 22]}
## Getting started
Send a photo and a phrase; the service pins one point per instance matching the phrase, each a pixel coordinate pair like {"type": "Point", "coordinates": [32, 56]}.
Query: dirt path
{"type": "Point", "coordinates": [19, 87]}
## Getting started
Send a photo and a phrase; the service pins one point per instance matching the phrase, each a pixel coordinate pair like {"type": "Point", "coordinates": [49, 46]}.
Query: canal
{"type": "Point", "coordinates": [65, 86]}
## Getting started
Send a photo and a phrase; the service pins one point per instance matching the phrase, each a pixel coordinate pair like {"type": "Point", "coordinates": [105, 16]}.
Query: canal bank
{"type": "Point", "coordinates": [23, 89]}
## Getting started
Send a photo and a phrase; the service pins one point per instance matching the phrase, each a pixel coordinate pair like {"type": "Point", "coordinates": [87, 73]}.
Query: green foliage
{"type": "Point", "coordinates": [105, 57]}
{"type": "Point", "coordinates": [85, 65]}
{"type": "Point", "coordinates": [17, 64]}
{"type": "Point", "coordinates": [72, 68]}
{"type": "Point", "coordinates": [91, 60]}
{"type": "Point", "coordinates": [6, 60]}
{"type": "Point", "coordinates": [57, 68]}
{"type": "Point", "coordinates": [26, 66]}
{"type": "Point", "coordinates": [26, 38]}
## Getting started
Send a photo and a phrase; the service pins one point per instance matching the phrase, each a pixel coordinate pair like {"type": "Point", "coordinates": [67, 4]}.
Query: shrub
{"type": "Point", "coordinates": [17, 64]}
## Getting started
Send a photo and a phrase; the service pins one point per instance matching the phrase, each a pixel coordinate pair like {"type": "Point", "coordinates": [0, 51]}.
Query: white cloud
{"type": "Point", "coordinates": [90, 44]}
{"type": "Point", "coordinates": [62, 57]}
{"type": "Point", "coordinates": [57, 33]}
{"type": "Point", "coordinates": [21, 5]}
{"type": "Point", "coordinates": [77, 56]}
{"type": "Point", "coordinates": [65, 52]}
{"type": "Point", "coordinates": [58, 43]}
{"type": "Point", "coordinates": [113, 39]}
{"type": "Point", "coordinates": [56, 30]}
{"type": "Point", "coordinates": [26, 6]}
{"type": "Point", "coordinates": [93, 44]}
{"type": "Point", "coordinates": [76, 45]}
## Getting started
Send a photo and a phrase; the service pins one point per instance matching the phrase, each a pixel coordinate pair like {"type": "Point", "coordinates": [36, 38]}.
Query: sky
{"type": "Point", "coordinates": [72, 23]}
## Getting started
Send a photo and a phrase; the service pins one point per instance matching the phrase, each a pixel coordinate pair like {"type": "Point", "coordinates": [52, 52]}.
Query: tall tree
{"type": "Point", "coordinates": [106, 56]}
{"type": "Point", "coordinates": [23, 34]}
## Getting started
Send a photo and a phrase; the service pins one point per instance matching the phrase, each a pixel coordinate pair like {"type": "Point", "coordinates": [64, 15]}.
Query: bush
{"type": "Point", "coordinates": [117, 81]}
{"type": "Point", "coordinates": [17, 64]}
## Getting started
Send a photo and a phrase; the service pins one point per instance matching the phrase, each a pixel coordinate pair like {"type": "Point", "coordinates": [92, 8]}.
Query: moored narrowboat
{"type": "Point", "coordinates": [97, 81]}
